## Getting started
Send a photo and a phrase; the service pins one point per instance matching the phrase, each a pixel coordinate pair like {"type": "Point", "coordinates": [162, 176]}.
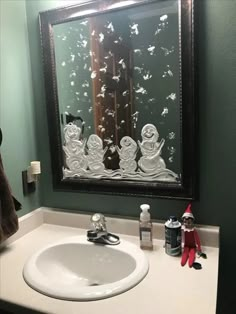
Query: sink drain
{"type": "Point", "coordinates": [94, 284]}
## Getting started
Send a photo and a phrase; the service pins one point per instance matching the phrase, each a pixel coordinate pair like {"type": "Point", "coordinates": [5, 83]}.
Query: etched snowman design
{"type": "Point", "coordinates": [127, 154]}
{"type": "Point", "coordinates": [151, 161]}
{"type": "Point", "coordinates": [95, 154]}
{"type": "Point", "coordinates": [74, 149]}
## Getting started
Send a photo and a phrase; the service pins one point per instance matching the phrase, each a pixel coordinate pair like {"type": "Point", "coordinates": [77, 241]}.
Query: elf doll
{"type": "Point", "coordinates": [190, 240]}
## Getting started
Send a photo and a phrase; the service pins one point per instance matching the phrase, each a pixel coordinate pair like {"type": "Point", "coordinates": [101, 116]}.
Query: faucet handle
{"type": "Point", "coordinates": [98, 222]}
{"type": "Point", "coordinates": [99, 232]}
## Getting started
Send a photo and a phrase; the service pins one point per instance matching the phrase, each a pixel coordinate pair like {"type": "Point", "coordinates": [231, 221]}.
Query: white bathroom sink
{"type": "Point", "coordinates": [75, 269]}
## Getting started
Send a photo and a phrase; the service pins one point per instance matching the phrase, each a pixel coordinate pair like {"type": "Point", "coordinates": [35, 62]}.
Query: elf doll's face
{"type": "Point", "coordinates": [188, 222]}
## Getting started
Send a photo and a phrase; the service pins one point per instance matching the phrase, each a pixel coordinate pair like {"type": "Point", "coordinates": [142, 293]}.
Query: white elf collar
{"type": "Point", "coordinates": [187, 229]}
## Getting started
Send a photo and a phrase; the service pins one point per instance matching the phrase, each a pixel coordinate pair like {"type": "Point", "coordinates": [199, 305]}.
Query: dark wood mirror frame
{"type": "Point", "coordinates": [186, 188]}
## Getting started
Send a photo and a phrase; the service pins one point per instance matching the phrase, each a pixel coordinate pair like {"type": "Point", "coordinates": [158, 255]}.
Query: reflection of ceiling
{"type": "Point", "coordinates": [69, 2]}
{"type": "Point", "coordinates": [121, 4]}
{"type": "Point", "coordinates": [165, 7]}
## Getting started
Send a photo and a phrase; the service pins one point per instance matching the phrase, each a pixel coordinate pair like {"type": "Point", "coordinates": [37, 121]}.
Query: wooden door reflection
{"type": "Point", "coordinates": [113, 106]}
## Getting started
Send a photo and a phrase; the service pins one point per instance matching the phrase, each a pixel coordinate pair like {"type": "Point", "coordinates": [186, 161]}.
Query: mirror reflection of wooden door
{"type": "Point", "coordinates": [111, 56]}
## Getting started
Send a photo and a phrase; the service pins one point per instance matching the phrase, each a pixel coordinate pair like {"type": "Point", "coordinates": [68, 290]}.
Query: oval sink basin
{"type": "Point", "coordinates": [75, 269]}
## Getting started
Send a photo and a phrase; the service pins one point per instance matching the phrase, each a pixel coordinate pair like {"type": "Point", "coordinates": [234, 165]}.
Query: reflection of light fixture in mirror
{"type": "Point", "coordinates": [73, 2]}
{"type": "Point", "coordinates": [163, 8]}
{"type": "Point", "coordinates": [63, 3]}
{"type": "Point", "coordinates": [121, 4]}
{"type": "Point", "coordinates": [69, 2]}
{"type": "Point", "coordinates": [30, 177]}
{"type": "Point", "coordinates": [82, 13]}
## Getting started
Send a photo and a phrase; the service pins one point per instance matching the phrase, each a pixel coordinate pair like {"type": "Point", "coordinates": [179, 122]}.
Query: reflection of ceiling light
{"type": "Point", "coordinates": [121, 4]}
{"type": "Point", "coordinates": [74, 2]}
{"type": "Point", "coordinates": [157, 9]}
{"type": "Point", "coordinates": [69, 2]}
{"type": "Point", "coordinates": [83, 12]}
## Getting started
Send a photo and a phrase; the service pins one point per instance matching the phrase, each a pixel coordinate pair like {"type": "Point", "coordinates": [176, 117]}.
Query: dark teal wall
{"type": "Point", "coordinates": [17, 118]}
{"type": "Point", "coordinates": [217, 104]}
{"type": "Point", "coordinates": [216, 95]}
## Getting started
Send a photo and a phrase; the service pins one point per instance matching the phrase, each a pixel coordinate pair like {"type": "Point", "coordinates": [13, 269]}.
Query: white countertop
{"type": "Point", "coordinates": [167, 288]}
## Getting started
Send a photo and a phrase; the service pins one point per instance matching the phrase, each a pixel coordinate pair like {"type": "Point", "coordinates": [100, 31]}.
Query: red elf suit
{"type": "Point", "coordinates": [190, 239]}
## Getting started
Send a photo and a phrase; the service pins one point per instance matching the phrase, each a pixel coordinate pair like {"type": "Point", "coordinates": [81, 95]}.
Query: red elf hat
{"type": "Point", "coordinates": [188, 212]}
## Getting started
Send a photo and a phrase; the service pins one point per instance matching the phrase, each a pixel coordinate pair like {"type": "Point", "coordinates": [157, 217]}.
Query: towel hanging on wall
{"type": "Point", "coordinates": [0, 136]}
{"type": "Point", "coordinates": [8, 206]}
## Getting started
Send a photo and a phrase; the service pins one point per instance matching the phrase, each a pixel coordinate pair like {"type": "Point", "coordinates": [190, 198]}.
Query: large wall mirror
{"type": "Point", "coordinates": [119, 79]}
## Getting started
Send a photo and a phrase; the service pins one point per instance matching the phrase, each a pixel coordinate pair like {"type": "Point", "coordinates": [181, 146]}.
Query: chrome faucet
{"type": "Point", "coordinates": [98, 233]}
{"type": "Point", "coordinates": [98, 222]}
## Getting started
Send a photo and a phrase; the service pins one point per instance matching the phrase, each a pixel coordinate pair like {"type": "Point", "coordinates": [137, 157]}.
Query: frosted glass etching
{"type": "Point", "coordinates": [85, 158]}
{"type": "Point", "coordinates": [119, 94]}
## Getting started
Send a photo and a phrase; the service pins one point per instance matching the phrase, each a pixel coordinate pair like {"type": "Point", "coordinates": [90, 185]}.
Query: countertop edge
{"type": "Point", "coordinates": [209, 235]}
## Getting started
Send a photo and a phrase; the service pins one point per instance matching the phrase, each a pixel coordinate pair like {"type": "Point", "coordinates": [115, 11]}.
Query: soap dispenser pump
{"type": "Point", "coordinates": [145, 228]}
